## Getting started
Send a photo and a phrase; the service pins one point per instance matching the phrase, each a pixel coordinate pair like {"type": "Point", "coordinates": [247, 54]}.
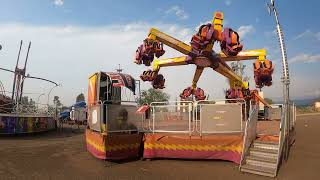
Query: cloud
{"type": "Point", "coordinates": [318, 36]}
{"type": "Point", "coordinates": [228, 2]}
{"type": "Point", "coordinates": [244, 30]}
{"type": "Point", "coordinates": [58, 2]}
{"type": "Point", "coordinates": [306, 58]}
{"type": "Point", "coordinates": [69, 54]}
{"type": "Point", "coordinates": [308, 34]}
{"type": "Point", "coordinates": [178, 11]}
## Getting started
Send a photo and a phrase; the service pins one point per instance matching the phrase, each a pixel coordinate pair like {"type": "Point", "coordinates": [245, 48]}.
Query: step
{"type": "Point", "coordinates": [262, 152]}
{"type": "Point", "coordinates": [264, 171]}
{"type": "Point", "coordinates": [266, 144]}
{"type": "Point", "coordinates": [261, 161]}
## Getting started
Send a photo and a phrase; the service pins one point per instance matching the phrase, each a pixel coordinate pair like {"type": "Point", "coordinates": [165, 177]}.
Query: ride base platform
{"type": "Point", "coordinates": [115, 146]}
{"type": "Point", "coordinates": [182, 146]}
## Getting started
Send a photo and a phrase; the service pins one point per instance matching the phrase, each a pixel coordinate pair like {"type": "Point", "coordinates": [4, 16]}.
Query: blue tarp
{"type": "Point", "coordinates": [64, 114]}
{"type": "Point", "coordinates": [80, 104]}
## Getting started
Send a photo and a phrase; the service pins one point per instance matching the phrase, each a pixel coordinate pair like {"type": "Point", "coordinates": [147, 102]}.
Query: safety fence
{"type": "Point", "coordinates": [203, 117]}
{"type": "Point", "coordinates": [35, 109]}
{"type": "Point", "coordinates": [286, 131]}
{"type": "Point", "coordinates": [171, 117]}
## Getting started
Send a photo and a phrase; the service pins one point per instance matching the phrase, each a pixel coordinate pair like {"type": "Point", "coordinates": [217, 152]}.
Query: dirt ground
{"type": "Point", "coordinates": [62, 155]}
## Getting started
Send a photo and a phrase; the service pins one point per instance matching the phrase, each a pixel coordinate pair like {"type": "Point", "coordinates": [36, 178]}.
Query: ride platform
{"type": "Point", "coordinates": [182, 146]}
{"type": "Point", "coordinates": [115, 146]}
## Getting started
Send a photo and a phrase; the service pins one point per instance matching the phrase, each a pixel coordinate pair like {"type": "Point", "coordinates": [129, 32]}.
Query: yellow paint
{"type": "Point", "coordinates": [245, 85]}
{"type": "Point", "coordinates": [96, 146]}
{"type": "Point", "coordinates": [122, 147]}
{"type": "Point", "coordinates": [104, 148]}
{"type": "Point", "coordinates": [30, 124]}
{"type": "Point", "coordinates": [169, 62]}
{"type": "Point", "coordinates": [218, 23]}
{"type": "Point", "coordinates": [245, 55]}
{"type": "Point", "coordinates": [92, 94]}
{"type": "Point", "coordinates": [169, 41]}
{"type": "Point", "coordinates": [234, 148]}
{"type": "Point", "coordinates": [103, 127]}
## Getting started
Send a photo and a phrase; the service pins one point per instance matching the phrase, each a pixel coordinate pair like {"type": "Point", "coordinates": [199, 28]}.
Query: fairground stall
{"type": "Point", "coordinates": [113, 124]}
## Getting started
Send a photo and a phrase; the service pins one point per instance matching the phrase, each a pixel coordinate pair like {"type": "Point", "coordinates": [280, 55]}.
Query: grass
{"type": "Point", "coordinates": [307, 109]}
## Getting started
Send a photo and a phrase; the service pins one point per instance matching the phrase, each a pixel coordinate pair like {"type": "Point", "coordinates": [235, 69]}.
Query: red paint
{"type": "Point", "coordinates": [189, 154]}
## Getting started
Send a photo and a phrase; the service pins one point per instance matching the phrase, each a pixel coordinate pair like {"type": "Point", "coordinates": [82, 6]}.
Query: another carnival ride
{"type": "Point", "coordinates": [18, 117]}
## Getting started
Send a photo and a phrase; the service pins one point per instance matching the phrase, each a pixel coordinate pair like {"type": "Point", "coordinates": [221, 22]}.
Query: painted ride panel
{"type": "Point", "coordinates": [18, 124]}
{"type": "Point", "coordinates": [213, 146]}
{"type": "Point", "coordinates": [115, 146]}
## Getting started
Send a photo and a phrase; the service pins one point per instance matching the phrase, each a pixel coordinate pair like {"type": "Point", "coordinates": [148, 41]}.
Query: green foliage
{"type": "Point", "coordinates": [80, 98]}
{"type": "Point", "coordinates": [153, 95]}
{"type": "Point", "coordinates": [306, 109]}
{"type": "Point", "coordinates": [28, 102]}
{"type": "Point", "coordinates": [56, 101]}
{"type": "Point", "coordinates": [268, 100]}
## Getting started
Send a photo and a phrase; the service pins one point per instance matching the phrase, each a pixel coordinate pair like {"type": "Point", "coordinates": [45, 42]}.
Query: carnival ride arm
{"type": "Point", "coordinates": [255, 95]}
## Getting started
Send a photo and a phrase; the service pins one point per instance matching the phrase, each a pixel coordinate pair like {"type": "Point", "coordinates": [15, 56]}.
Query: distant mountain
{"type": "Point", "coordinates": [300, 102]}
{"type": "Point", "coordinates": [304, 102]}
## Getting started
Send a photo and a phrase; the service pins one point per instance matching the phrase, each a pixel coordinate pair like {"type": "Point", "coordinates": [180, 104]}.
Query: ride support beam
{"type": "Point", "coordinates": [259, 54]}
{"type": "Point", "coordinates": [182, 60]}
{"type": "Point", "coordinates": [196, 76]}
{"type": "Point", "coordinates": [170, 41]}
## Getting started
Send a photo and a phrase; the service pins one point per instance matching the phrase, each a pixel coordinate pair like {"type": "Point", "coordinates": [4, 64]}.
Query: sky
{"type": "Point", "coordinates": [72, 39]}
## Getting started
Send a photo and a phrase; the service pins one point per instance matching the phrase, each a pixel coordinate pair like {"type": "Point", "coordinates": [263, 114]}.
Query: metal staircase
{"type": "Point", "coordinates": [262, 159]}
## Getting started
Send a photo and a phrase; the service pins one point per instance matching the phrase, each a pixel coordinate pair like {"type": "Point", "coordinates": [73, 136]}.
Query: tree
{"type": "Point", "coordinates": [152, 95]}
{"type": "Point", "coordinates": [24, 100]}
{"type": "Point", "coordinates": [56, 101]}
{"type": "Point", "coordinates": [80, 98]}
{"type": "Point", "coordinates": [268, 100]}
{"type": "Point", "coordinates": [63, 108]}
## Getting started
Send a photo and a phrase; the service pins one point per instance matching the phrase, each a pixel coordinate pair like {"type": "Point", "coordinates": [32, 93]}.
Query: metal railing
{"type": "Point", "coordinates": [250, 131]}
{"type": "Point", "coordinates": [188, 117]}
{"type": "Point", "coordinates": [36, 109]}
{"type": "Point", "coordinates": [285, 132]}
{"type": "Point", "coordinates": [281, 136]}
{"type": "Point", "coordinates": [171, 117]}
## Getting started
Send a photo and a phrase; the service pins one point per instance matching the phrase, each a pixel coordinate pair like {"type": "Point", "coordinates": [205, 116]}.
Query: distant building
{"type": "Point", "coordinates": [317, 105]}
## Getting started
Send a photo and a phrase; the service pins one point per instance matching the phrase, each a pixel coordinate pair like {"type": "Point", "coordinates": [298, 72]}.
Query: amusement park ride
{"type": "Point", "coordinates": [20, 75]}
{"type": "Point", "coordinates": [200, 53]}
{"type": "Point", "coordinates": [199, 128]}
{"type": "Point", "coordinates": [190, 129]}
{"type": "Point", "coordinates": [16, 117]}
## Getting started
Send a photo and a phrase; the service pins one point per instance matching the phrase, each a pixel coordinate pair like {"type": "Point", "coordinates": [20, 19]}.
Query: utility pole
{"type": "Point", "coordinates": [285, 77]}
{"type": "Point", "coordinates": [119, 70]}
